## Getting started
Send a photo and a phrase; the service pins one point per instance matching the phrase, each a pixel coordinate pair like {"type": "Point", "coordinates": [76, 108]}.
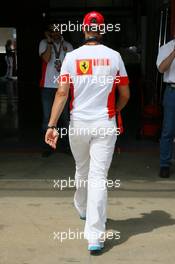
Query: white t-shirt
{"type": "Point", "coordinates": [49, 71]}
{"type": "Point", "coordinates": [92, 70]}
{"type": "Point", "coordinates": [164, 52]}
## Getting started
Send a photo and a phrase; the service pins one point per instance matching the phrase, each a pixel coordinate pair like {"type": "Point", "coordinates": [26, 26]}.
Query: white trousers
{"type": "Point", "coordinates": [92, 149]}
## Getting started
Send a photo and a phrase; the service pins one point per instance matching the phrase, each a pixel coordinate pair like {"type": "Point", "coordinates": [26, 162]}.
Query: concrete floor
{"type": "Point", "coordinates": [31, 210]}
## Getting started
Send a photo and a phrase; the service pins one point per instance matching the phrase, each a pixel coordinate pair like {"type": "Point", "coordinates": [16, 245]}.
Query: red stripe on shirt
{"type": "Point", "coordinates": [44, 68]}
{"type": "Point", "coordinates": [122, 80]}
{"type": "Point", "coordinates": [111, 101]}
{"type": "Point", "coordinates": [72, 95]}
{"type": "Point", "coordinates": [65, 78]}
{"type": "Point", "coordinates": [111, 104]}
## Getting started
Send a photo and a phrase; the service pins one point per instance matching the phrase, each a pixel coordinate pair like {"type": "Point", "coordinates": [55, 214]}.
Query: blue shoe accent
{"type": "Point", "coordinates": [94, 247]}
{"type": "Point", "coordinates": [102, 245]}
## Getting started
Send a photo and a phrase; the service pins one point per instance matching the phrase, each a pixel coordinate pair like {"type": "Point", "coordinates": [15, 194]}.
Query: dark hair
{"type": "Point", "coordinates": [8, 43]}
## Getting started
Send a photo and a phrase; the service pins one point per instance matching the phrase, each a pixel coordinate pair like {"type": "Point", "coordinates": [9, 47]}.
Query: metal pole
{"type": "Point", "coordinates": [166, 21]}
{"type": "Point", "coordinates": [160, 32]}
{"type": "Point", "coordinates": [164, 42]}
{"type": "Point", "coordinates": [157, 95]}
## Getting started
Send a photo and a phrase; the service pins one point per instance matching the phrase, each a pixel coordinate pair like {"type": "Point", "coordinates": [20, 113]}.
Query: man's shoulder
{"type": "Point", "coordinates": [73, 52]}
{"type": "Point", "coordinates": [103, 47]}
{"type": "Point", "coordinates": [43, 41]}
{"type": "Point", "coordinates": [110, 50]}
{"type": "Point", "coordinates": [171, 42]}
{"type": "Point", "coordinates": [66, 42]}
{"type": "Point", "coordinates": [169, 45]}
{"type": "Point", "coordinates": [68, 45]}
{"type": "Point", "coordinates": [105, 50]}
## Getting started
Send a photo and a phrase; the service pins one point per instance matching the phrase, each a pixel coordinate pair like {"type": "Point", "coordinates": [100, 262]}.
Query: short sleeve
{"type": "Point", "coordinates": [161, 56]}
{"type": "Point", "coordinates": [122, 74]}
{"type": "Point", "coordinates": [69, 47]}
{"type": "Point", "coordinates": [164, 52]}
{"type": "Point", "coordinates": [42, 47]}
{"type": "Point", "coordinates": [65, 75]}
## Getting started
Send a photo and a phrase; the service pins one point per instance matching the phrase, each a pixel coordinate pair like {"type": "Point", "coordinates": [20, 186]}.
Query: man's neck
{"type": "Point", "coordinates": [92, 43]}
{"type": "Point", "coordinates": [91, 40]}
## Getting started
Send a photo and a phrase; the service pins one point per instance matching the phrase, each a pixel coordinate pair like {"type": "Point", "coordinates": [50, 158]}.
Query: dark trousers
{"type": "Point", "coordinates": [47, 98]}
{"type": "Point", "coordinates": [168, 130]}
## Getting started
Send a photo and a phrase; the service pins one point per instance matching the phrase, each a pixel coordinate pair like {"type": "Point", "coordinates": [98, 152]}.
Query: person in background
{"type": "Point", "coordinates": [9, 58]}
{"type": "Point", "coordinates": [52, 51]}
{"type": "Point", "coordinates": [166, 65]}
{"type": "Point", "coordinates": [10, 78]}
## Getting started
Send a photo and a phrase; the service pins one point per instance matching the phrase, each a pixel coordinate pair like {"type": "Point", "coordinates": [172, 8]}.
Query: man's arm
{"type": "Point", "coordinates": [164, 66]}
{"type": "Point", "coordinates": [124, 95]}
{"type": "Point", "coordinates": [46, 56]}
{"type": "Point", "coordinates": [59, 103]}
{"type": "Point", "coordinates": [61, 96]}
{"type": "Point", "coordinates": [47, 52]}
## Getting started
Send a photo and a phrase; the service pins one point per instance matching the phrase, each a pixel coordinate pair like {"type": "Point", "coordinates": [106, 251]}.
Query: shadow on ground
{"type": "Point", "coordinates": [134, 226]}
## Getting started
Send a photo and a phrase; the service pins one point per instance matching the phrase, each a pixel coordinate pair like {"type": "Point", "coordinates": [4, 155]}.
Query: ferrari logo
{"type": "Point", "coordinates": [84, 67]}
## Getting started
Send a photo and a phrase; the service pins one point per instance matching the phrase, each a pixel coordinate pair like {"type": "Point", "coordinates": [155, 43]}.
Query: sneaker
{"type": "Point", "coordinates": [95, 248]}
{"type": "Point", "coordinates": [164, 172]}
{"type": "Point", "coordinates": [82, 217]}
{"type": "Point", "coordinates": [102, 245]}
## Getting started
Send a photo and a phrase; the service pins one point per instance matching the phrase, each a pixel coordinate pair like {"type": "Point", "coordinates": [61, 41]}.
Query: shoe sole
{"type": "Point", "coordinates": [83, 217]}
{"type": "Point", "coordinates": [95, 249]}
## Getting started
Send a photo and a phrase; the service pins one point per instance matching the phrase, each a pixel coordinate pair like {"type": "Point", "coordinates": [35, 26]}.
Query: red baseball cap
{"type": "Point", "coordinates": [93, 18]}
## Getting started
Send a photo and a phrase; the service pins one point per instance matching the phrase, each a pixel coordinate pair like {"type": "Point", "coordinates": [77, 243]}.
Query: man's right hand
{"type": "Point", "coordinates": [51, 137]}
